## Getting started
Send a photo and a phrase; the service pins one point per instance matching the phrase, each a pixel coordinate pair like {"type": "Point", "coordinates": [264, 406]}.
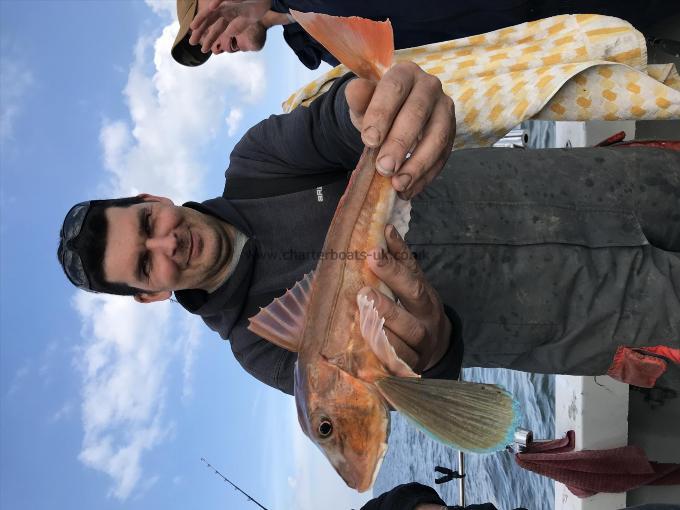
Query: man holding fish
{"type": "Point", "coordinates": [545, 261]}
{"type": "Point", "coordinates": [524, 293]}
{"type": "Point", "coordinates": [153, 248]}
{"type": "Point", "coordinates": [225, 258]}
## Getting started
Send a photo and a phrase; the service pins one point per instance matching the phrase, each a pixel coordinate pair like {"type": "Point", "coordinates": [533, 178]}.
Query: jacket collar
{"type": "Point", "coordinates": [231, 295]}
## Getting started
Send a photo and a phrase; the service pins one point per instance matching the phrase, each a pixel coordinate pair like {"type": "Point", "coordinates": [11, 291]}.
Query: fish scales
{"type": "Point", "coordinates": [357, 227]}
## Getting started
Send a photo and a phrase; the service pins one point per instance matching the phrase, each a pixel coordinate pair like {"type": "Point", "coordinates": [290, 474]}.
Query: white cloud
{"type": "Point", "coordinates": [19, 377]}
{"type": "Point", "coordinates": [64, 412]}
{"type": "Point", "coordinates": [15, 81]}
{"type": "Point", "coordinates": [46, 361]}
{"type": "Point", "coordinates": [192, 327]}
{"type": "Point", "coordinates": [233, 120]}
{"type": "Point", "coordinates": [311, 482]}
{"type": "Point", "coordinates": [174, 113]}
{"type": "Point", "coordinates": [124, 364]}
{"type": "Point", "coordinates": [315, 480]}
{"type": "Point", "coordinates": [163, 7]}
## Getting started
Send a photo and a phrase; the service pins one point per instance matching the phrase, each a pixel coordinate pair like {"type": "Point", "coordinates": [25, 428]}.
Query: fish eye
{"type": "Point", "coordinates": [325, 428]}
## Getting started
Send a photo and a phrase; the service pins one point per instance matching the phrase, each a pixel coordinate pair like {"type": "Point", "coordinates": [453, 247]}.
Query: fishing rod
{"type": "Point", "coordinates": [250, 498]}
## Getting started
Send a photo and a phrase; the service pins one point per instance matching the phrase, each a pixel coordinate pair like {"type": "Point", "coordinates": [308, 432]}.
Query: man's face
{"type": "Point", "coordinates": [244, 18]}
{"type": "Point", "coordinates": [251, 39]}
{"type": "Point", "coordinates": [159, 247]}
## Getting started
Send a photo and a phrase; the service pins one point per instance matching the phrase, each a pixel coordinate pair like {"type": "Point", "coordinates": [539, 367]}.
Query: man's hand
{"type": "Point", "coordinates": [418, 328]}
{"type": "Point", "coordinates": [407, 112]}
{"type": "Point", "coordinates": [221, 20]}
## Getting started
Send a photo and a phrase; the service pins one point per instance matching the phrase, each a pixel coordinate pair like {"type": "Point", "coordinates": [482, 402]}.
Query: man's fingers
{"type": "Point", "coordinates": [236, 26]}
{"type": "Point", "coordinates": [212, 34]}
{"type": "Point", "coordinates": [197, 23]}
{"type": "Point", "coordinates": [407, 113]}
{"type": "Point", "coordinates": [404, 351]}
{"type": "Point", "coordinates": [418, 320]}
{"type": "Point", "coordinates": [224, 12]}
{"type": "Point", "coordinates": [204, 19]}
{"type": "Point", "coordinates": [401, 322]}
{"type": "Point", "coordinates": [409, 123]}
{"type": "Point", "coordinates": [408, 285]}
{"type": "Point", "coordinates": [403, 330]}
{"type": "Point", "coordinates": [431, 152]}
{"type": "Point", "coordinates": [421, 183]}
{"type": "Point", "coordinates": [400, 250]}
{"type": "Point", "coordinates": [390, 94]}
{"type": "Point", "coordinates": [199, 31]}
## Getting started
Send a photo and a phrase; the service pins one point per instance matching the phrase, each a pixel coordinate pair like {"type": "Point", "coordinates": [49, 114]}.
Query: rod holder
{"type": "Point", "coordinates": [521, 440]}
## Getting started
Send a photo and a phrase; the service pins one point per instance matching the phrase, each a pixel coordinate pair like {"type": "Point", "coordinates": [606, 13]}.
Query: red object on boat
{"type": "Point", "coordinates": [642, 366]}
{"type": "Point", "coordinates": [588, 472]}
{"type": "Point", "coordinates": [616, 140]}
{"type": "Point", "coordinates": [673, 145]}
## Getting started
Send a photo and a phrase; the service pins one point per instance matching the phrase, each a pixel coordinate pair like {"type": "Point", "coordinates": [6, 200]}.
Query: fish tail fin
{"type": "Point", "coordinates": [363, 45]}
{"type": "Point", "coordinates": [473, 417]}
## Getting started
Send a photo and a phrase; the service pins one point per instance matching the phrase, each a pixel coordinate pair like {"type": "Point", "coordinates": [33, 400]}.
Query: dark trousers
{"type": "Point", "coordinates": [554, 258]}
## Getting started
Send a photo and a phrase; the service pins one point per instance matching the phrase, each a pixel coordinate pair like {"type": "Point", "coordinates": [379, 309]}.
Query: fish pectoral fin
{"type": "Point", "coordinates": [364, 46]}
{"type": "Point", "coordinates": [282, 321]}
{"type": "Point", "coordinates": [371, 327]}
{"type": "Point", "coordinates": [401, 216]}
{"type": "Point", "coordinates": [468, 416]}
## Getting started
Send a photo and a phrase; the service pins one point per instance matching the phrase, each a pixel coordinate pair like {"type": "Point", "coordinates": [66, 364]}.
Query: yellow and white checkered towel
{"type": "Point", "coordinates": [569, 67]}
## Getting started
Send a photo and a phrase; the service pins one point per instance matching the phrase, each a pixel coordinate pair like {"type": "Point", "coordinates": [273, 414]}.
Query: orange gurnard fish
{"type": "Point", "coordinates": [348, 377]}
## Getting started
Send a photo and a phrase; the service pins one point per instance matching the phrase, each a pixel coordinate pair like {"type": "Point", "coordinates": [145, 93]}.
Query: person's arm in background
{"type": "Point", "coordinates": [221, 20]}
{"type": "Point", "coordinates": [416, 496]}
{"type": "Point", "coordinates": [409, 496]}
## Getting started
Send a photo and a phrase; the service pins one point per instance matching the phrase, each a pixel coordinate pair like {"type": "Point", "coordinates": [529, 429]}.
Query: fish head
{"type": "Point", "coordinates": [346, 418]}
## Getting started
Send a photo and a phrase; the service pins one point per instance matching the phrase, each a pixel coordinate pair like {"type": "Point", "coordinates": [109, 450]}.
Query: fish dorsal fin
{"type": "Point", "coordinates": [282, 321]}
{"type": "Point", "coordinates": [364, 46]}
{"type": "Point", "coordinates": [473, 417]}
{"type": "Point", "coordinates": [371, 326]}
{"type": "Point", "coordinates": [401, 216]}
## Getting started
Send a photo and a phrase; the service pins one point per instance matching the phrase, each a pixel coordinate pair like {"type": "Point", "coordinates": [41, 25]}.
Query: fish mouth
{"type": "Point", "coordinates": [363, 479]}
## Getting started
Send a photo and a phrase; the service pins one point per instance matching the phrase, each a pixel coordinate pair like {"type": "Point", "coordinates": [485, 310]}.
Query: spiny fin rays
{"type": "Point", "coordinates": [282, 322]}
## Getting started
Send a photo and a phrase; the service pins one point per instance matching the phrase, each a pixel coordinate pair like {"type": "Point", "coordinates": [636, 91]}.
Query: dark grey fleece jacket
{"type": "Point", "coordinates": [286, 224]}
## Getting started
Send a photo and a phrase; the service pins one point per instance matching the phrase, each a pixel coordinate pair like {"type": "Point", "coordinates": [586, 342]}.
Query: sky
{"type": "Point", "coordinates": [106, 403]}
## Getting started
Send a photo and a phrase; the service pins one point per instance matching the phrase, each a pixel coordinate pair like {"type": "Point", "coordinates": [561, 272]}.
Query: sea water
{"type": "Point", "coordinates": [495, 478]}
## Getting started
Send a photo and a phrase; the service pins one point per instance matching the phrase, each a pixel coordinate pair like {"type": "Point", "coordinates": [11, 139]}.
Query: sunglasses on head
{"type": "Point", "coordinates": [68, 256]}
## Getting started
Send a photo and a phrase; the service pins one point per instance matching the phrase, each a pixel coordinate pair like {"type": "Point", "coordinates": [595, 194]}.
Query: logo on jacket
{"type": "Point", "coordinates": [319, 194]}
